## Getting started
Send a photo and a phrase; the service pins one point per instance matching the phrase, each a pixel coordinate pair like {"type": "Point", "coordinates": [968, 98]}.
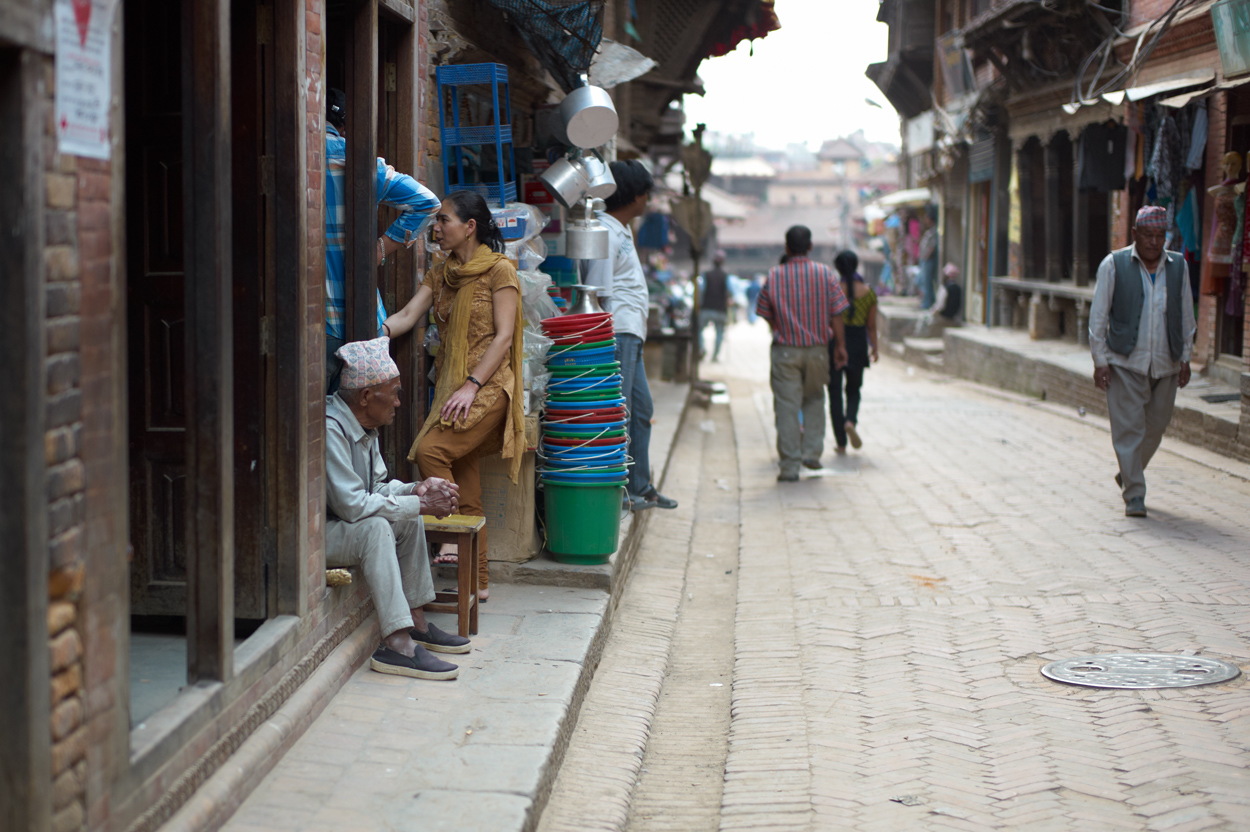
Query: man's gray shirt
{"type": "Point", "coordinates": [356, 484]}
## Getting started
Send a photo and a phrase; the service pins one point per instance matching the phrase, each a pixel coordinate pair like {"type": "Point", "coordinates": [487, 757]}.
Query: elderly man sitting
{"type": "Point", "coordinates": [376, 524]}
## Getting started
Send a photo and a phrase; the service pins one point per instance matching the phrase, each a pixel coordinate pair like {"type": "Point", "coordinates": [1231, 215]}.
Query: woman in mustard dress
{"type": "Point", "coordinates": [474, 298]}
{"type": "Point", "coordinates": [860, 325]}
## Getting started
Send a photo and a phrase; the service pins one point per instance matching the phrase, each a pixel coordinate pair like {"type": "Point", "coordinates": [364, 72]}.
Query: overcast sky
{"type": "Point", "coordinates": [805, 81]}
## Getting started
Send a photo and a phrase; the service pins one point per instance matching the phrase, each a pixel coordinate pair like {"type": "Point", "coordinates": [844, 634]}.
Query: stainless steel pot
{"type": "Point", "coordinates": [602, 184]}
{"type": "Point", "coordinates": [587, 301]}
{"type": "Point", "coordinates": [589, 117]}
{"type": "Point", "coordinates": [567, 182]}
{"type": "Point", "coordinates": [585, 238]}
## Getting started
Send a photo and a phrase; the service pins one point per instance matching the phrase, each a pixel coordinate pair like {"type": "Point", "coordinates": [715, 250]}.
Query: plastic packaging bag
{"type": "Point", "coordinates": [432, 340]}
{"type": "Point", "coordinates": [529, 254]}
{"type": "Point", "coordinates": [538, 385]}
{"type": "Point", "coordinates": [536, 304]}
{"type": "Point", "coordinates": [535, 346]}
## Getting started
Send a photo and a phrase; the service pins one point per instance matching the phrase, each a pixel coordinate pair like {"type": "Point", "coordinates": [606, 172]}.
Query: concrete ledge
{"type": "Point", "coordinates": [1061, 372]}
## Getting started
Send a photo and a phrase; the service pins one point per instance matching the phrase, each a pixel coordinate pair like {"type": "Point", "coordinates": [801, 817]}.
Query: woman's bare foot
{"type": "Point", "coordinates": [483, 594]}
{"type": "Point", "coordinates": [445, 559]}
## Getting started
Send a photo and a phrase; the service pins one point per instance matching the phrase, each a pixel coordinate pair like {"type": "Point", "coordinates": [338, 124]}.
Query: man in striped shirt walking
{"type": "Point", "coordinates": [803, 303]}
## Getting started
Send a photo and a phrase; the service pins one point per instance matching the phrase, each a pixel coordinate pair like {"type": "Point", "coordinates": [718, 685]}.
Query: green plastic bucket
{"type": "Point", "coordinates": [583, 521]}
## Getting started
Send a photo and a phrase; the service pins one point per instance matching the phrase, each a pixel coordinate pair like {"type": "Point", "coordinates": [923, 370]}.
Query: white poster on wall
{"type": "Point", "coordinates": [84, 86]}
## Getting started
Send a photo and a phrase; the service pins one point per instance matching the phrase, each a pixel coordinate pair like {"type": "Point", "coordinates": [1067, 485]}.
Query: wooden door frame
{"type": "Point", "coordinates": [291, 323]}
{"type": "Point", "coordinates": [166, 740]}
{"type": "Point", "coordinates": [209, 359]}
{"type": "Point", "coordinates": [25, 747]}
{"type": "Point", "coordinates": [402, 267]}
{"type": "Point", "coordinates": [360, 176]}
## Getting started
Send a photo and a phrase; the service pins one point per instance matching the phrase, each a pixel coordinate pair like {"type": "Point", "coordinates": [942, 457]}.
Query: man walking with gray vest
{"type": "Point", "coordinates": [1141, 331]}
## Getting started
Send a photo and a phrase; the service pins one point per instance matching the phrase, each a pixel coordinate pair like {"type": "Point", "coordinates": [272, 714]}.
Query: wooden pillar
{"type": "Point", "coordinates": [291, 301]}
{"type": "Point", "coordinates": [1080, 232]}
{"type": "Point", "coordinates": [209, 348]}
{"type": "Point", "coordinates": [1029, 264]}
{"type": "Point", "coordinates": [25, 744]}
{"type": "Point", "coordinates": [407, 351]}
{"type": "Point", "coordinates": [1053, 212]}
{"type": "Point", "coordinates": [362, 208]}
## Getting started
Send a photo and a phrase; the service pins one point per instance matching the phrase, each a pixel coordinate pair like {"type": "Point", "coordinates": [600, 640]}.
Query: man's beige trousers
{"type": "Point", "coordinates": [798, 376]}
{"type": "Point", "coordinates": [395, 563]}
{"type": "Point", "coordinates": [1140, 409]}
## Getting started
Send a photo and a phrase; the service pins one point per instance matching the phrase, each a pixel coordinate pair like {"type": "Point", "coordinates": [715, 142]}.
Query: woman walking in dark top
{"type": "Point", "coordinates": [860, 320]}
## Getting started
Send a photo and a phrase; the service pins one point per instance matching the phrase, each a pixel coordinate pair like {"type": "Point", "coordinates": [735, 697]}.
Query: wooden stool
{"type": "Point", "coordinates": [461, 530]}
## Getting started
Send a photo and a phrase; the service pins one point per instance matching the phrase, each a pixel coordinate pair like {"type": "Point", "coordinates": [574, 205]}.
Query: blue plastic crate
{"type": "Point", "coordinates": [459, 75]}
{"type": "Point", "coordinates": [490, 192]}
{"type": "Point", "coordinates": [460, 136]}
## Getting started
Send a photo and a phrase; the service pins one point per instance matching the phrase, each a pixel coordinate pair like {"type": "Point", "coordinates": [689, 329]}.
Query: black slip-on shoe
{"type": "Point", "coordinates": [787, 477]}
{"type": "Point", "coordinates": [812, 464]}
{"type": "Point", "coordinates": [440, 642]}
{"type": "Point", "coordinates": [657, 499]}
{"type": "Point", "coordinates": [1119, 480]}
{"type": "Point", "coordinates": [419, 666]}
{"type": "Point", "coordinates": [636, 502]}
{"type": "Point", "coordinates": [1135, 507]}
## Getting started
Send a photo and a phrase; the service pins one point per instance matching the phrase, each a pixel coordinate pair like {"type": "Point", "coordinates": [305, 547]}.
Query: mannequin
{"type": "Point", "coordinates": [1219, 252]}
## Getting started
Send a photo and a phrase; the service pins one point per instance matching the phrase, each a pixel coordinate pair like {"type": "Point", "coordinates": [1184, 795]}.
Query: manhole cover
{"type": "Point", "coordinates": [1140, 670]}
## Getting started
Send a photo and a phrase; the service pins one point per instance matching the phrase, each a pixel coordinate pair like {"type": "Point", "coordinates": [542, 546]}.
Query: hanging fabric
{"type": "Point", "coordinates": [1187, 220]}
{"type": "Point", "coordinates": [1197, 138]}
{"type": "Point", "coordinates": [1165, 162]}
{"type": "Point", "coordinates": [1100, 158]}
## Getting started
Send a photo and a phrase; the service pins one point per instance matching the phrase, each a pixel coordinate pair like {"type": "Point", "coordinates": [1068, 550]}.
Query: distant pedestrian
{"type": "Point", "coordinates": [947, 309]}
{"type": "Point", "coordinates": [928, 256]}
{"type": "Point", "coordinates": [860, 326]}
{"type": "Point", "coordinates": [1141, 331]}
{"type": "Point", "coordinates": [803, 304]}
{"type": "Point", "coordinates": [753, 296]}
{"type": "Point", "coordinates": [714, 303]}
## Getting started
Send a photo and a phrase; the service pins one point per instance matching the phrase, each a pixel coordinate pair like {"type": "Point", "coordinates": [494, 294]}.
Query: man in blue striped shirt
{"type": "Point", "coordinates": [398, 190]}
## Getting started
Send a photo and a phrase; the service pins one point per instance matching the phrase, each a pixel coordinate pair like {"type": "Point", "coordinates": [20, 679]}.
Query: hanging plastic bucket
{"type": "Point", "coordinates": [586, 417]}
{"type": "Point", "coordinates": [561, 457]}
{"type": "Point", "coordinates": [558, 432]}
{"type": "Point", "coordinates": [605, 368]}
{"type": "Point", "coordinates": [574, 322]}
{"type": "Point", "coordinates": [583, 519]}
{"type": "Point", "coordinates": [584, 476]}
{"type": "Point", "coordinates": [590, 442]}
{"type": "Point", "coordinates": [585, 384]}
{"type": "Point", "coordinates": [577, 358]}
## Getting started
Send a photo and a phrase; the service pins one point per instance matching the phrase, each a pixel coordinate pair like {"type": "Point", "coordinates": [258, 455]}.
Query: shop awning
{"type": "Point", "coordinates": [910, 197]}
{"type": "Point", "coordinates": [1176, 82]}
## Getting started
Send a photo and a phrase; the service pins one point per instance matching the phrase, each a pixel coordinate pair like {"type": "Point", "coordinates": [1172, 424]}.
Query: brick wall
{"type": "Point", "coordinates": [1144, 11]}
{"type": "Point", "coordinates": [67, 181]}
{"type": "Point", "coordinates": [314, 63]}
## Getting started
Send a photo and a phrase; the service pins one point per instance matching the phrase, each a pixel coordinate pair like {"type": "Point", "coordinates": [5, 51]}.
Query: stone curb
{"type": "Point", "coordinates": [215, 801]}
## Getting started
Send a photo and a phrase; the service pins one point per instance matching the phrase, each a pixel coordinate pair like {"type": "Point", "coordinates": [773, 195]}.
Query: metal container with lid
{"type": "Point", "coordinates": [589, 117]}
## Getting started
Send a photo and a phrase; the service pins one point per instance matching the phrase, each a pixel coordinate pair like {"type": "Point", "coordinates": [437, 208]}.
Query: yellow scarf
{"type": "Point", "coordinates": [454, 338]}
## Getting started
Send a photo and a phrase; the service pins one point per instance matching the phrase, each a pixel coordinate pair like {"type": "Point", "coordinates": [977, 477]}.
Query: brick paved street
{"type": "Point", "coordinates": [892, 616]}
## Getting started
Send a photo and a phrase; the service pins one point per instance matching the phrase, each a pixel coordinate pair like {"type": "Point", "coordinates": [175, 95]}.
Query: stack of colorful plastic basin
{"type": "Point", "coordinates": [584, 444]}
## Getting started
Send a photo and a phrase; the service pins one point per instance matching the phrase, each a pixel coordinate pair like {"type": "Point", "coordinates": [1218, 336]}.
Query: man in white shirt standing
{"type": "Point", "coordinates": [623, 292]}
{"type": "Point", "coordinates": [1141, 332]}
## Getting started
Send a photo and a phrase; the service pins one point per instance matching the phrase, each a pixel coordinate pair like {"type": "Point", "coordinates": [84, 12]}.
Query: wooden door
{"type": "Point", "coordinates": [156, 320]}
{"type": "Point", "coordinates": [156, 314]}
